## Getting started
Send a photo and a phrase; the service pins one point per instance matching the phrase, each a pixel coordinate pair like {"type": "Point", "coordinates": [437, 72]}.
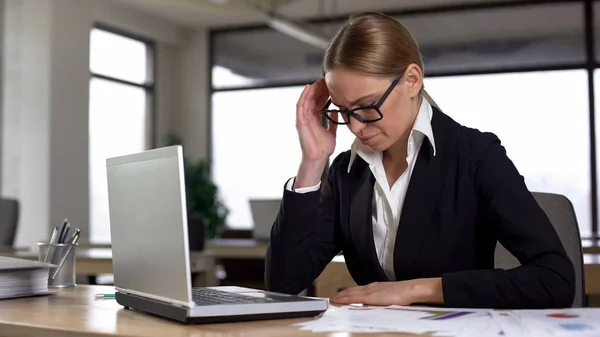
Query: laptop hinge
{"type": "Point", "coordinates": [157, 298]}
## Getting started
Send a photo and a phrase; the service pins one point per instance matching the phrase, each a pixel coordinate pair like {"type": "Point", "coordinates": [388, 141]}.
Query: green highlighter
{"type": "Point", "coordinates": [104, 296]}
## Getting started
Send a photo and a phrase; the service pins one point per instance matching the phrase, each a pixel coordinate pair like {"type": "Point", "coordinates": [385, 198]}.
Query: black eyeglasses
{"type": "Point", "coordinates": [365, 114]}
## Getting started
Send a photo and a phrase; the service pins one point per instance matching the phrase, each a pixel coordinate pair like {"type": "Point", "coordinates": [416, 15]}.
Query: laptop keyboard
{"type": "Point", "coordinates": [207, 296]}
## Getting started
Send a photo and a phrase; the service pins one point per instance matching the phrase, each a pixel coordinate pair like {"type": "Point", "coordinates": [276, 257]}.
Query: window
{"type": "Point", "coordinates": [542, 123]}
{"type": "Point", "coordinates": [121, 92]}
{"type": "Point", "coordinates": [534, 94]}
{"type": "Point", "coordinates": [118, 57]}
{"type": "Point", "coordinates": [545, 131]}
{"type": "Point", "coordinates": [244, 135]}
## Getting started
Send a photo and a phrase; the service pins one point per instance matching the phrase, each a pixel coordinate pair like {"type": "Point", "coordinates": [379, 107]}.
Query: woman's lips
{"type": "Point", "coordinates": [367, 140]}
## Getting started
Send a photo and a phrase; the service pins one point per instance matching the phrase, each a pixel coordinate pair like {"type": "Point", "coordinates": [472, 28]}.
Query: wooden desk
{"type": "Point", "coordinates": [95, 261]}
{"type": "Point", "coordinates": [74, 312]}
{"type": "Point", "coordinates": [592, 278]}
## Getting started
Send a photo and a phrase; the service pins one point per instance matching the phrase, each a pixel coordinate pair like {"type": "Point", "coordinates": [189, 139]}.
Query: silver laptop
{"type": "Point", "coordinates": [151, 258]}
{"type": "Point", "coordinates": [264, 212]}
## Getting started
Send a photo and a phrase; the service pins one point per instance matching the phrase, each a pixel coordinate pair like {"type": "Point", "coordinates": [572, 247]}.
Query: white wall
{"type": "Point", "coordinates": [26, 117]}
{"type": "Point", "coordinates": [1, 80]}
{"type": "Point", "coordinates": [71, 24]}
{"type": "Point", "coordinates": [46, 97]}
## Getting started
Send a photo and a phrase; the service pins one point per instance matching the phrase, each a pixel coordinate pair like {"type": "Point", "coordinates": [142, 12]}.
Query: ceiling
{"type": "Point", "coordinates": [509, 37]}
{"type": "Point", "coordinates": [220, 13]}
{"type": "Point", "coordinates": [540, 35]}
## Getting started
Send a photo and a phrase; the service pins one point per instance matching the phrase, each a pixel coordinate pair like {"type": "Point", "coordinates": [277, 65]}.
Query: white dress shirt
{"type": "Point", "coordinates": [388, 202]}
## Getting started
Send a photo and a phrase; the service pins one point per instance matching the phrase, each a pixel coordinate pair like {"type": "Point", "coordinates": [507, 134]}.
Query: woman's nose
{"type": "Point", "coordinates": [356, 126]}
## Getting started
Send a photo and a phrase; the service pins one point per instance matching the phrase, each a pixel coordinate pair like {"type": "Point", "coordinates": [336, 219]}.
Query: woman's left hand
{"type": "Point", "coordinates": [388, 293]}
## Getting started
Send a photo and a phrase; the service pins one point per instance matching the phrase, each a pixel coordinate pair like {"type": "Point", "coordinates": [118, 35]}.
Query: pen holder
{"type": "Point", "coordinates": [62, 255]}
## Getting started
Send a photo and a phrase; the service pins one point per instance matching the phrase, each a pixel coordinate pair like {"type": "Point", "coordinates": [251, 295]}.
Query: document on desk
{"type": "Point", "coordinates": [457, 322]}
{"type": "Point", "coordinates": [567, 322]}
{"type": "Point", "coordinates": [441, 322]}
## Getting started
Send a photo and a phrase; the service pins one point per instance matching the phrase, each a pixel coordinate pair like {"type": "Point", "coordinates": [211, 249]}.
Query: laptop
{"type": "Point", "coordinates": [151, 258]}
{"type": "Point", "coordinates": [264, 212]}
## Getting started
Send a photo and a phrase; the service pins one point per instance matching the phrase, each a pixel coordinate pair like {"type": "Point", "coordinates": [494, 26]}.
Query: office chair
{"type": "Point", "coordinates": [9, 220]}
{"type": "Point", "coordinates": [559, 210]}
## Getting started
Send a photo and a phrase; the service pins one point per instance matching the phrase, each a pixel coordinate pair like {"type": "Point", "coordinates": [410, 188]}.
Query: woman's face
{"type": "Point", "coordinates": [350, 89]}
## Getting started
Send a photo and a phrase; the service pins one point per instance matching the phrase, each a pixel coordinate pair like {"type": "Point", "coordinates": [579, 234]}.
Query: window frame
{"type": "Point", "coordinates": [590, 64]}
{"type": "Point", "coordinates": [149, 87]}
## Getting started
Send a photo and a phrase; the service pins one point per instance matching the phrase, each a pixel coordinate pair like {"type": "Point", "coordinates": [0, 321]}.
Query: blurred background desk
{"type": "Point", "coordinates": [237, 248]}
{"type": "Point", "coordinates": [238, 261]}
{"type": "Point", "coordinates": [91, 262]}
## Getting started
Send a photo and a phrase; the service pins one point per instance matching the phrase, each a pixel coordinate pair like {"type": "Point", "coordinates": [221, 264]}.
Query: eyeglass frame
{"type": "Point", "coordinates": [350, 112]}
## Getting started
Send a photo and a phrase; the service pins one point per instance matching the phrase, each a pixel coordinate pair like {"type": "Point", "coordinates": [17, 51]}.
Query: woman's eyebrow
{"type": "Point", "coordinates": [356, 101]}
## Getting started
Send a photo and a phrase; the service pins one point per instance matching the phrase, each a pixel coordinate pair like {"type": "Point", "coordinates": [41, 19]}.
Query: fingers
{"type": "Point", "coordinates": [311, 96]}
{"type": "Point", "coordinates": [301, 116]}
{"type": "Point", "coordinates": [351, 298]}
{"type": "Point", "coordinates": [311, 102]}
{"type": "Point", "coordinates": [350, 295]}
{"type": "Point", "coordinates": [320, 84]}
{"type": "Point", "coordinates": [333, 126]}
{"type": "Point", "coordinates": [319, 93]}
{"type": "Point", "coordinates": [372, 294]}
{"type": "Point", "coordinates": [323, 93]}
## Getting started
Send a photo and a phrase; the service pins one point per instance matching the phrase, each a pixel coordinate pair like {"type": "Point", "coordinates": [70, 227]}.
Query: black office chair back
{"type": "Point", "coordinates": [559, 210]}
{"type": "Point", "coordinates": [9, 219]}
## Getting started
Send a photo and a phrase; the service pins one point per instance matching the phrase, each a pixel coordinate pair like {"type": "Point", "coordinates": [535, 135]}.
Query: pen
{"type": "Point", "coordinates": [52, 240]}
{"type": "Point", "coordinates": [54, 235]}
{"type": "Point", "coordinates": [75, 234]}
{"type": "Point", "coordinates": [64, 237]}
{"type": "Point", "coordinates": [62, 230]}
{"type": "Point", "coordinates": [72, 242]}
{"type": "Point", "coordinates": [104, 296]}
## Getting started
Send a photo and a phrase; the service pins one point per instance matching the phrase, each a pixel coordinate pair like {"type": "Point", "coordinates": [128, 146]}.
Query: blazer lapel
{"type": "Point", "coordinates": [421, 199]}
{"type": "Point", "coordinates": [361, 185]}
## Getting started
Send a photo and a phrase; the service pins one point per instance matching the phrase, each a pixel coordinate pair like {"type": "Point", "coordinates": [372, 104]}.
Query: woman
{"type": "Point", "coordinates": [419, 202]}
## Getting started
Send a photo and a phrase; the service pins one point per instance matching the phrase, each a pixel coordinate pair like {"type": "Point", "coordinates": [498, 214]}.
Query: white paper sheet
{"type": "Point", "coordinates": [568, 322]}
{"type": "Point", "coordinates": [457, 322]}
{"type": "Point", "coordinates": [404, 319]}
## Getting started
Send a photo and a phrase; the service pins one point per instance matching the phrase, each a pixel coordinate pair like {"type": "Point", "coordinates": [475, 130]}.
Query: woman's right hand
{"type": "Point", "coordinates": [317, 142]}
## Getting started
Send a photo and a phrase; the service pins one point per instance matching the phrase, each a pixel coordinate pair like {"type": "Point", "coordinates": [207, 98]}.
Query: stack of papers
{"type": "Point", "coordinates": [20, 278]}
{"type": "Point", "coordinates": [457, 322]}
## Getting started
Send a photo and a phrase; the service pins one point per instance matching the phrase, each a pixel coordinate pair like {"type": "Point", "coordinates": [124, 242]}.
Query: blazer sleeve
{"type": "Point", "coordinates": [546, 276]}
{"type": "Point", "coordinates": [303, 238]}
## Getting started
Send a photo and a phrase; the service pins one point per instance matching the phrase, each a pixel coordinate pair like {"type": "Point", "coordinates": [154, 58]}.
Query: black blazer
{"type": "Point", "coordinates": [459, 203]}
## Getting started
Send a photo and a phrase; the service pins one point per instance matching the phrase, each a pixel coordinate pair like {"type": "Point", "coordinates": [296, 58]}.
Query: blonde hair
{"type": "Point", "coordinates": [374, 44]}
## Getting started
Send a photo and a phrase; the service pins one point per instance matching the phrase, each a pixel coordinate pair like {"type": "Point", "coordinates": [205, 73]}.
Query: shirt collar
{"type": "Point", "coordinates": [422, 125]}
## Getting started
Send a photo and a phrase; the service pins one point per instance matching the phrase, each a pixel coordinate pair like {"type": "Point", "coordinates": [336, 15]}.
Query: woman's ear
{"type": "Point", "coordinates": [413, 78]}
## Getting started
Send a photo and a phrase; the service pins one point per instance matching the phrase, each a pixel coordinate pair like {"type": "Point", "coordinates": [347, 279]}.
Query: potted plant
{"type": "Point", "coordinates": [206, 212]}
